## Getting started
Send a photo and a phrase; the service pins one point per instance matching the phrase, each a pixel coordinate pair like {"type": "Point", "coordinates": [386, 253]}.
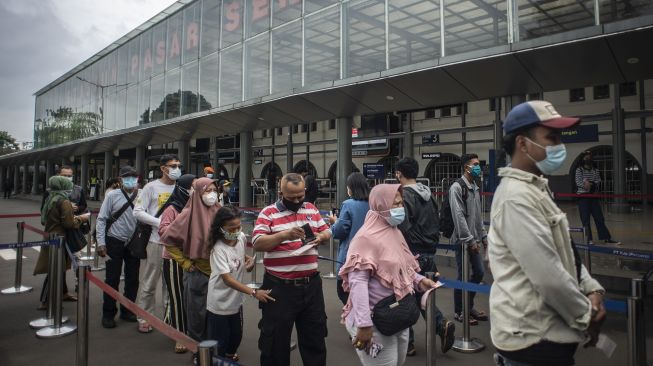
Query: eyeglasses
{"type": "Point", "coordinates": [175, 166]}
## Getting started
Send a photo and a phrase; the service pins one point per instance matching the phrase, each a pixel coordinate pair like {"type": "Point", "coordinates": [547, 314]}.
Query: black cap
{"type": "Point", "coordinates": [128, 171]}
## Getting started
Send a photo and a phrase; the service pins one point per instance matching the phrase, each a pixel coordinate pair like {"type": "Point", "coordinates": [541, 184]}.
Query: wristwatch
{"type": "Point", "coordinates": [253, 292]}
{"type": "Point", "coordinates": [600, 292]}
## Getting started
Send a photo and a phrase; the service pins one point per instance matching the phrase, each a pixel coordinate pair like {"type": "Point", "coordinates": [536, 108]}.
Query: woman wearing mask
{"type": "Point", "coordinates": [175, 314]}
{"type": "Point", "coordinates": [57, 216]}
{"type": "Point", "coordinates": [351, 218]}
{"type": "Point", "coordinates": [190, 232]}
{"type": "Point", "coordinates": [379, 264]}
{"type": "Point", "coordinates": [226, 288]}
{"type": "Point", "coordinates": [224, 186]}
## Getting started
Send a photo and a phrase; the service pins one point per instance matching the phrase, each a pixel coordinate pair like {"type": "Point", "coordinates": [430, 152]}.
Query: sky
{"type": "Point", "coordinates": [41, 40]}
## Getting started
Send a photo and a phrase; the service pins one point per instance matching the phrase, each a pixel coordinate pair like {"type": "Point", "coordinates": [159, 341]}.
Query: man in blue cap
{"type": "Point", "coordinates": [543, 300]}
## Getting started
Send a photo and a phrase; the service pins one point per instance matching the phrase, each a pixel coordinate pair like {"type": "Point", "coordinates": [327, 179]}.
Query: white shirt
{"type": "Point", "coordinates": [148, 203]}
{"type": "Point", "coordinates": [222, 299]}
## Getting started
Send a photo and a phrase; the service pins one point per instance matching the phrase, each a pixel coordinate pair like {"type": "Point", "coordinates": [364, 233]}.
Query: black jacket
{"type": "Point", "coordinates": [311, 189]}
{"type": "Point", "coordinates": [421, 227]}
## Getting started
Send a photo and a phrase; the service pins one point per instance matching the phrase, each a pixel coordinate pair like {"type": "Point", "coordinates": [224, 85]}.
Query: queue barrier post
{"type": "Point", "coordinates": [588, 257]}
{"type": "Point", "coordinates": [206, 350]}
{"type": "Point", "coordinates": [89, 252]}
{"type": "Point", "coordinates": [48, 319]}
{"type": "Point", "coordinates": [431, 339]}
{"type": "Point", "coordinates": [466, 344]}
{"type": "Point", "coordinates": [82, 316]}
{"type": "Point", "coordinates": [332, 274]}
{"type": "Point", "coordinates": [18, 286]}
{"type": "Point", "coordinates": [254, 284]}
{"type": "Point", "coordinates": [637, 324]}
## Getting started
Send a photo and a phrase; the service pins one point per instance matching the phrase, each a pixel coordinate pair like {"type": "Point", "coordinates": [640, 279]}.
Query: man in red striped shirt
{"type": "Point", "coordinates": [293, 280]}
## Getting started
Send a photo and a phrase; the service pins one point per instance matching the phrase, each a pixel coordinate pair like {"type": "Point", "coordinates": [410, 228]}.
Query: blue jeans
{"type": "Point", "coordinates": [476, 276]}
{"type": "Point", "coordinates": [591, 207]}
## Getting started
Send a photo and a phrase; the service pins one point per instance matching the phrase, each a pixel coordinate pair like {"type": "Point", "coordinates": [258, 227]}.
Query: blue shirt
{"type": "Point", "coordinates": [352, 217]}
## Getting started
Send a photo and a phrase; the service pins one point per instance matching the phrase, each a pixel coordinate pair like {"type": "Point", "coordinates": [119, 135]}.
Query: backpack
{"type": "Point", "coordinates": [447, 225]}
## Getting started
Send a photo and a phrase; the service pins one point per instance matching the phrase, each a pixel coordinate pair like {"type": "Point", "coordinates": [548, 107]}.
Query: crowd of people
{"type": "Point", "coordinates": [543, 302]}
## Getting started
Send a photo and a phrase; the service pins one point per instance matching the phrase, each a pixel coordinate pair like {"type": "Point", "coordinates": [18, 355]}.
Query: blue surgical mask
{"type": "Point", "coordinates": [475, 171]}
{"type": "Point", "coordinates": [397, 216]}
{"type": "Point", "coordinates": [209, 175]}
{"type": "Point", "coordinates": [555, 157]}
{"type": "Point", "coordinates": [129, 182]}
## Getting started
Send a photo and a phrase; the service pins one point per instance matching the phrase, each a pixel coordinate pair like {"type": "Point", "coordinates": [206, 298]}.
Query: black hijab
{"type": "Point", "coordinates": [181, 193]}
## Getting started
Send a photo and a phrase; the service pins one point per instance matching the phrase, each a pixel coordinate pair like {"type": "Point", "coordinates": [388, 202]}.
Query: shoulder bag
{"type": "Point", "coordinates": [137, 244]}
{"type": "Point", "coordinates": [391, 316]}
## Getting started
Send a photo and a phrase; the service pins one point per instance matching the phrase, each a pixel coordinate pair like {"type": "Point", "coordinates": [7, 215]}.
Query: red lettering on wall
{"type": "Point", "coordinates": [174, 45]}
{"type": "Point", "coordinates": [147, 60]}
{"type": "Point", "coordinates": [233, 16]}
{"type": "Point", "coordinates": [134, 70]}
{"type": "Point", "coordinates": [192, 35]}
{"type": "Point", "coordinates": [260, 9]}
{"type": "Point", "coordinates": [160, 52]}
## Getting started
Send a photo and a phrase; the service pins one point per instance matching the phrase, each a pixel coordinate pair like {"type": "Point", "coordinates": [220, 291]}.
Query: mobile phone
{"type": "Point", "coordinates": [308, 232]}
{"type": "Point", "coordinates": [336, 211]}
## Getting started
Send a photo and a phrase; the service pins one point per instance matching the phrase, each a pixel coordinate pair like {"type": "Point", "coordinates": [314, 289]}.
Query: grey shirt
{"type": "Point", "coordinates": [467, 218]}
{"type": "Point", "coordinates": [124, 227]}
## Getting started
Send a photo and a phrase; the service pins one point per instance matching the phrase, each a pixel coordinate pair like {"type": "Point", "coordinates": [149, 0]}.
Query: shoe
{"type": "Point", "coordinates": [144, 327]}
{"type": "Point", "coordinates": [613, 242]}
{"type": "Point", "coordinates": [69, 298]}
{"type": "Point", "coordinates": [128, 317]}
{"type": "Point", "coordinates": [43, 306]}
{"type": "Point", "coordinates": [108, 323]}
{"type": "Point", "coordinates": [233, 357]}
{"type": "Point", "coordinates": [459, 318]}
{"type": "Point", "coordinates": [478, 315]}
{"type": "Point", "coordinates": [590, 242]}
{"type": "Point", "coordinates": [411, 350]}
{"type": "Point", "coordinates": [180, 348]}
{"type": "Point", "coordinates": [195, 359]}
{"type": "Point", "coordinates": [448, 335]}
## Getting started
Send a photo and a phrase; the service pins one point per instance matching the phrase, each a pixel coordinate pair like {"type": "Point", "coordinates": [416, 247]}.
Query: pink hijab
{"type": "Point", "coordinates": [381, 248]}
{"type": "Point", "coordinates": [192, 228]}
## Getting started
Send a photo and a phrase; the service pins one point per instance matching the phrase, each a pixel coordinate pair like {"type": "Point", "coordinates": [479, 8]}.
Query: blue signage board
{"type": "Point", "coordinates": [373, 171]}
{"type": "Point", "coordinates": [585, 133]}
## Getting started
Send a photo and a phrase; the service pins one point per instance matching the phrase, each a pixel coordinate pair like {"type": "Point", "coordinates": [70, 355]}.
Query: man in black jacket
{"type": "Point", "coordinates": [77, 196]}
{"type": "Point", "coordinates": [422, 233]}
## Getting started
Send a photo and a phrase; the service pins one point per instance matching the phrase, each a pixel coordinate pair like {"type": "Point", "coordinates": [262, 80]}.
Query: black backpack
{"type": "Point", "coordinates": [446, 218]}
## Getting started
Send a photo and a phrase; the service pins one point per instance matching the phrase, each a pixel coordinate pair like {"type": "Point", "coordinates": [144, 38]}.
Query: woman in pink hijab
{"type": "Point", "coordinates": [379, 264]}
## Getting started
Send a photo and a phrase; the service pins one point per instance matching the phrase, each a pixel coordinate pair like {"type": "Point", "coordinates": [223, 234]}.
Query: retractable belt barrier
{"type": "Point", "coordinates": [29, 244]}
{"type": "Point", "coordinates": [631, 254]}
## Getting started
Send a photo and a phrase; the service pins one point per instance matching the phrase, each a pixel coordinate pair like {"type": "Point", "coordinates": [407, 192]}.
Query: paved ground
{"type": "Point", "coordinates": [124, 346]}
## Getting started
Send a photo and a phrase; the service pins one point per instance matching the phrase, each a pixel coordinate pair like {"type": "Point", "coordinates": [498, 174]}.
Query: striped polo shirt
{"type": "Point", "coordinates": [591, 175]}
{"type": "Point", "coordinates": [276, 218]}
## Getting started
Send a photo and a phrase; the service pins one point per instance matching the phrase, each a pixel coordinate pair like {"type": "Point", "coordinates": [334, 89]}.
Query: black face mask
{"type": "Point", "coordinates": [587, 162]}
{"type": "Point", "coordinates": [292, 206]}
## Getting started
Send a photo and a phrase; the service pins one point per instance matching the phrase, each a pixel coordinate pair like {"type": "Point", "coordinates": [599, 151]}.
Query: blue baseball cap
{"type": "Point", "coordinates": [538, 112]}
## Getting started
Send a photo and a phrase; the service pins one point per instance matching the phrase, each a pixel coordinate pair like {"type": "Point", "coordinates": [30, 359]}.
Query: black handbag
{"type": "Point", "coordinates": [137, 244]}
{"type": "Point", "coordinates": [75, 240]}
{"type": "Point", "coordinates": [391, 316]}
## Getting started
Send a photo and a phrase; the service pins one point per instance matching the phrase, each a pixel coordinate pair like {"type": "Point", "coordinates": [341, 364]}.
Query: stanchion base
{"type": "Point", "coordinates": [260, 261]}
{"type": "Point", "coordinates": [329, 276]}
{"type": "Point", "coordinates": [45, 322]}
{"type": "Point", "coordinates": [293, 345]}
{"type": "Point", "coordinates": [87, 259]}
{"type": "Point", "coordinates": [97, 269]}
{"type": "Point", "coordinates": [254, 285]}
{"type": "Point", "coordinates": [16, 290]}
{"type": "Point", "coordinates": [52, 332]}
{"type": "Point", "coordinates": [471, 345]}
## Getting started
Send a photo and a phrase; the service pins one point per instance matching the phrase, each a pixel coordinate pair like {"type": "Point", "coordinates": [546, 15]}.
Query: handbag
{"type": "Point", "coordinates": [75, 240]}
{"type": "Point", "coordinates": [391, 316]}
{"type": "Point", "coordinates": [137, 244]}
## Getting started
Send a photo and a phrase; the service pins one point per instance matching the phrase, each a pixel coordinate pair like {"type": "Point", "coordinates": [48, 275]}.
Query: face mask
{"type": "Point", "coordinates": [475, 171]}
{"type": "Point", "coordinates": [293, 206]}
{"type": "Point", "coordinates": [210, 176]}
{"type": "Point", "coordinates": [209, 199]}
{"type": "Point", "coordinates": [230, 236]}
{"type": "Point", "coordinates": [555, 157]}
{"type": "Point", "coordinates": [129, 182]}
{"type": "Point", "coordinates": [174, 174]}
{"type": "Point", "coordinates": [587, 163]}
{"type": "Point", "coordinates": [397, 216]}
{"type": "Point", "coordinates": [69, 178]}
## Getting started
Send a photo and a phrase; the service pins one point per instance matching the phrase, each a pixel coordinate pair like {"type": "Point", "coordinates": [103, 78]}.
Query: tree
{"type": "Point", "coordinates": [8, 144]}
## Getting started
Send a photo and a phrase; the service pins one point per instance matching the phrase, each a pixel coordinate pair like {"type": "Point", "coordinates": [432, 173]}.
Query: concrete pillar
{"type": "Point", "coordinates": [140, 161]}
{"type": "Point", "coordinates": [273, 150]}
{"type": "Point", "coordinates": [644, 160]}
{"type": "Point", "coordinates": [618, 150]}
{"type": "Point", "coordinates": [3, 177]}
{"type": "Point", "coordinates": [289, 152]}
{"type": "Point", "coordinates": [183, 152]}
{"type": "Point", "coordinates": [16, 174]}
{"type": "Point", "coordinates": [25, 172]}
{"type": "Point", "coordinates": [49, 171]}
{"type": "Point", "coordinates": [245, 178]}
{"type": "Point", "coordinates": [35, 178]}
{"type": "Point", "coordinates": [83, 173]}
{"type": "Point", "coordinates": [343, 130]}
{"type": "Point", "coordinates": [408, 137]}
{"type": "Point", "coordinates": [214, 154]}
{"type": "Point", "coordinates": [108, 167]}
{"type": "Point", "coordinates": [463, 123]}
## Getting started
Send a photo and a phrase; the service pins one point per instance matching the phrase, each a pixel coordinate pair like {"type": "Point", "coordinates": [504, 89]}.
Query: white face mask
{"type": "Point", "coordinates": [174, 174]}
{"type": "Point", "coordinates": [209, 199]}
{"type": "Point", "coordinates": [209, 175]}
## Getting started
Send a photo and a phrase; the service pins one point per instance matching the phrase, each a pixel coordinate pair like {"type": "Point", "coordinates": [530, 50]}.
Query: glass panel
{"type": "Point", "coordinates": [132, 106]}
{"type": "Point", "coordinates": [191, 32]}
{"type": "Point", "coordinates": [470, 26]}
{"type": "Point", "coordinates": [174, 40]}
{"type": "Point", "coordinates": [231, 83]}
{"type": "Point", "coordinates": [121, 63]}
{"type": "Point", "coordinates": [287, 57]}
{"type": "Point", "coordinates": [613, 10]}
{"type": "Point", "coordinates": [157, 98]}
{"type": "Point", "coordinates": [232, 22]}
{"type": "Point", "coordinates": [134, 60]}
{"type": "Point", "coordinates": [258, 17]}
{"type": "Point", "coordinates": [365, 37]}
{"type": "Point", "coordinates": [322, 47]}
{"type": "Point", "coordinates": [210, 26]}
{"type": "Point", "coordinates": [209, 82]}
{"type": "Point", "coordinates": [146, 55]}
{"type": "Point", "coordinates": [257, 57]}
{"type": "Point", "coordinates": [121, 102]}
{"type": "Point", "coordinates": [189, 75]}
{"type": "Point", "coordinates": [110, 106]}
{"type": "Point", "coordinates": [172, 93]}
{"type": "Point", "coordinates": [144, 103]}
{"type": "Point", "coordinates": [541, 18]}
{"type": "Point", "coordinates": [285, 10]}
{"type": "Point", "coordinates": [414, 31]}
{"type": "Point", "coordinates": [159, 48]}
{"type": "Point", "coordinates": [314, 5]}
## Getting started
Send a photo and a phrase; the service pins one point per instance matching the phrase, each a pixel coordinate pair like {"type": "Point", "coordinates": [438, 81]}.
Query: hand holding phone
{"type": "Point", "coordinates": [309, 235]}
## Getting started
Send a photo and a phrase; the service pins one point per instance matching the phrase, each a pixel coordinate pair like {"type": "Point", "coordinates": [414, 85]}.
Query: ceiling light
{"type": "Point", "coordinates": [632, 60]}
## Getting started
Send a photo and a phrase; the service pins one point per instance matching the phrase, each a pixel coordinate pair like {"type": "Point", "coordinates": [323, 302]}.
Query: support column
{"type": "Point", "coordinates": [108, 166]}
{"type": "Point", "coordinates": [245, 178]}
{"type": "Point", "coordinates": [35, 178]}
{"type": "Point", "coordinates": [16, 173]}
{"type": "Point", "coordinates": [140, 161]}
{"type": "Point", "coordinates": [25, 172]}
{"type": "Point", "coordinates": [183, 152]}
{"type": "Point", "coordinates": [3, 177]}
{"type": "Point", "coordinates": [83, 173]}
{"type": "Point", "coordinates": [213, 154]}
{"type": "Point", "coordinates": [49, 171]}
{"type": "Point", "coordinates": [463, 123]}
{"type": "Point", "coordinates": [273, 150]}
{"type": "Point", "coordinates": [644, 160]}
{"type": "Point", "coordinates": [308, 146]}
{"type": "Point", "coordinates": [408, 137]}
{"type": "Point", "coordinates": [343, 130]}
{"type": "Point", "coordinates": [618, 150]}
{"type": "Point", "coordinates": [289, 152]}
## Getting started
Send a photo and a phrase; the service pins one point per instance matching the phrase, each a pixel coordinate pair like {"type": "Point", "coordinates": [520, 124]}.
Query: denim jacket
{"type": "Point", "coordinates": [352, 217]}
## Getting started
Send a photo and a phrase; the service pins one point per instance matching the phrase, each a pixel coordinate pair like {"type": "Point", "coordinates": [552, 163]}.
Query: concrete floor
{"type": "Point", "coordinates": [125, 346]}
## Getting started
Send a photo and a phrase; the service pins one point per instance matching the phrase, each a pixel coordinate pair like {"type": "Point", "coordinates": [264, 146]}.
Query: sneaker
{"type": "Point", "coordinates": [448, 335]}
{"type": "Point", "coordinates": [590, 242]}
{"type": "Point", "coordinates": [613, 242]}
{"type": "Point", "coordinates": [144, 327]}
{"type": "Point", "coordinates": [478, 315]}
{"type": "Point", "coordinates": [411, 350]}
{"type": "Point", "coordinates": [459, 318]}
{"type": "Point", "coordinates": [108, 323]}
{"type": "Point", "coordinates": [128, 317]}
{"type": "Point", "coordinates": [195, 359]}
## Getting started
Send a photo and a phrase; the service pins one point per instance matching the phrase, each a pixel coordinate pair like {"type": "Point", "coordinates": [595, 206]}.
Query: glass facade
{"type": "Point", "coordinates": [213, 53]}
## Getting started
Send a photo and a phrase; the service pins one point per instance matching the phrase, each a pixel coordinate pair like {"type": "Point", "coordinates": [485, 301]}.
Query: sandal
{"type": "Point", "coordinates": [69, 298]}
{"type": "Point", "coordinates": [459, 318]}
{"type": "Point", "coordinates": [180, 348]}
{"type": "Point", "coordinates": [478, 315]}
{"type": "Point", "coordinates": [233, 357]}
{"type": "Point", "coordinates": [144, 327]}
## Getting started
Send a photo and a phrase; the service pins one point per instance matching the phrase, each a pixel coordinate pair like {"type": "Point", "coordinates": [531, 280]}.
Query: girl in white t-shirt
{"type": "Point", "coordinates": [225, 291]}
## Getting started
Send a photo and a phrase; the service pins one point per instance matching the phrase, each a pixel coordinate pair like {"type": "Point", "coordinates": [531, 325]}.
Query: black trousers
{"type": "Point", "coordinates": [591, 207]}
{"type": "Point", "coordinates": [227, 330]}
{"type": "Point", "coordinates": [298, 305]}
{"type": "Point", "coordinates": [119, 253]}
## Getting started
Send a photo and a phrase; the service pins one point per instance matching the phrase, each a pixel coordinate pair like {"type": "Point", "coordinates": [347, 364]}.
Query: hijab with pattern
{"type": "Point", "coordinates": [60, 188]}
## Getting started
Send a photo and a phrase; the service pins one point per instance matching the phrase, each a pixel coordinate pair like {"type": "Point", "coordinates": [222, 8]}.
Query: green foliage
{"type": "Point", "coordinates": [8, 144]}
{"type": "Point", "coordinates": [65, 125]}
